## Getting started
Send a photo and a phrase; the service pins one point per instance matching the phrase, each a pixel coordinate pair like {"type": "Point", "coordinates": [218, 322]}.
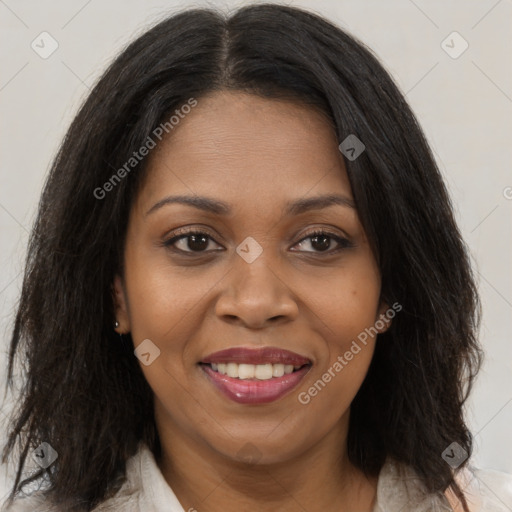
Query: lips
{"type": "Point", "coordinates": [265, 355]}
{"type": "Point", "coordinates": [276, 373]}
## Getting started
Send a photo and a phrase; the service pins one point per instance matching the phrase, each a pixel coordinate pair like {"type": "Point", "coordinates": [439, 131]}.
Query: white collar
{"type": "Point", "coordinates": [399, 488]}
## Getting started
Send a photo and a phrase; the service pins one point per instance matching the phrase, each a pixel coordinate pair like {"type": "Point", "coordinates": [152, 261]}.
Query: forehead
{"type": "Point", "coordinates": [247, 149]}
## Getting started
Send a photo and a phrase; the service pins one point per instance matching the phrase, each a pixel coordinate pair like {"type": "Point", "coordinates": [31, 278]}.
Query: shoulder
{"type": "Point", "coordinates": [485, 490]}
{"type": "Point", "coordinates": [31, 504]}
{"type": "Point", "coordinates": [125, 500]}
{"type": "Point", "coordinates": [400, 488]}
{"type": "Point", "coordinates": [128, 498]}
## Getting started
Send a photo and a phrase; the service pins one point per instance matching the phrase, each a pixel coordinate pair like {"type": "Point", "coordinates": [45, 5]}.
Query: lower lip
{"type": "Point", "coordinates": [255, 391]}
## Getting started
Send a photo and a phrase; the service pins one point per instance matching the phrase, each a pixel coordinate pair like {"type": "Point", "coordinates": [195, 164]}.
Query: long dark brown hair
{"type": "Point", "coordinates": [83, 390]}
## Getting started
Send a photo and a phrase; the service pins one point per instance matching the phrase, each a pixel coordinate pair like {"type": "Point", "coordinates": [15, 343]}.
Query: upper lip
{"type": "Point", "coordinates": [264, 355]}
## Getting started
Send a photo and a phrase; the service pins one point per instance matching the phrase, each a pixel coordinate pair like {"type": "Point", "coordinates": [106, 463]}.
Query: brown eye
{"type": "Point", "coordinates": [190, 241]}
{"type": "Point", "coordinates": [322, 241]}
{"type": "Point", "coordinates": [193, 241]}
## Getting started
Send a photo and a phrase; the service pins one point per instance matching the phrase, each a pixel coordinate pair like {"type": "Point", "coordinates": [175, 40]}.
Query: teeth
{"type": "Point", "coordinates": [247, 371]}
{"type": "Point", "coordinates": [232, 370]}
{"type": "Point", "coordinates": [262, 371]}
{"type": "Point", "coordinates": [277, 370]}
{"type": "Point", "coordinates": [253, 371]}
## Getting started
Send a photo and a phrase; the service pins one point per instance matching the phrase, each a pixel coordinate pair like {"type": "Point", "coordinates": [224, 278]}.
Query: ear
{"type": "Point", "coordinates": [383, 320]}
{"type": "Point", "coordinates": [121, 306]}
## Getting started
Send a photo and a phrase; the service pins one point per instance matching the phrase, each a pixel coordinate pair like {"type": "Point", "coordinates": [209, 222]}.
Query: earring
{"type": "Point", "coordinates": [116, 324]}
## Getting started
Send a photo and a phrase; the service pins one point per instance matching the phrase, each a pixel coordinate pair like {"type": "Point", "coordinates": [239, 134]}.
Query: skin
{"type": "Point", "coordinates": [256, 155]}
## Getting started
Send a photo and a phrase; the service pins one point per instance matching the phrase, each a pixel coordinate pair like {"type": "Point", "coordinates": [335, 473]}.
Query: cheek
{"type": "Point", "coordinates": [329, 395]}
{"type": "Point", "coordinates": [164, 308]}
{"type": "Point", "coordinates": [349, 343]}
{"type": "Point", "coordinates": [347, 307]}
{"type": "Point", "coordinates": [163, 302]}
{"type": "Point", "coordinates": [346, 301]}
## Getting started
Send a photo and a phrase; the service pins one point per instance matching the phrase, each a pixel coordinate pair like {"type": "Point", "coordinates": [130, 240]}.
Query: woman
{"type": "Point", "coordinates": [245, 288]}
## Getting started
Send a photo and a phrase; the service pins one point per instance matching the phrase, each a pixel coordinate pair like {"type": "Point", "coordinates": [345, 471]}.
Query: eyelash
{"type": "Point", "coordinates": [343, 242]}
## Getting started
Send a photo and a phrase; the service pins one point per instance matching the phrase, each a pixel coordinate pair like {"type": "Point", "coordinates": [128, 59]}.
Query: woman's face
{"type": "Point", "coordinates": [257, 278]}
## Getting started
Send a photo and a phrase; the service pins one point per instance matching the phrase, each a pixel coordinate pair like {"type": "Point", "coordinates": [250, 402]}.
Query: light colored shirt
{"type": "Point", "coordinates": [398, 489]}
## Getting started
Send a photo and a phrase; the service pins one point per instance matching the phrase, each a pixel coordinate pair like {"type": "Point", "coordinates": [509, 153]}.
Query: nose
{"type": "Point", "coordinates": [256, 296]}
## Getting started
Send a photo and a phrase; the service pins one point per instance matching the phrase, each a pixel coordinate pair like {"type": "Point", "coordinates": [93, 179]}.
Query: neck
{"type": "Point", "coordinates": [321, 478]}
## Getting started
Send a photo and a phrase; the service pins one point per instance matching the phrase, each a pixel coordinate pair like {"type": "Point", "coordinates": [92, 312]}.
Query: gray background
{"type": "Point", "coordinates": [464, 105]}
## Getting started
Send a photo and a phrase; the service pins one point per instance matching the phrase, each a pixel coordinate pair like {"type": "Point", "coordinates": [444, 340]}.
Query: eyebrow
{"type": "Point", "coordinates": [221, 208]}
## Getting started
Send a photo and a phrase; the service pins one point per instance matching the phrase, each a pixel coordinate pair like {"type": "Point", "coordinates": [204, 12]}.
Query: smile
{"type": "Point", "coordinates": [255, 376]}
{"type": "Point", "coordinates": [254, 371]}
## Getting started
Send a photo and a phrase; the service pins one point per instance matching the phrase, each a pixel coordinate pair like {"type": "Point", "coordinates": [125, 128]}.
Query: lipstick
{"type": "Point", "coordinates": [255, 376]}
{"type": "Point", "coordinates": [272, 355]}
